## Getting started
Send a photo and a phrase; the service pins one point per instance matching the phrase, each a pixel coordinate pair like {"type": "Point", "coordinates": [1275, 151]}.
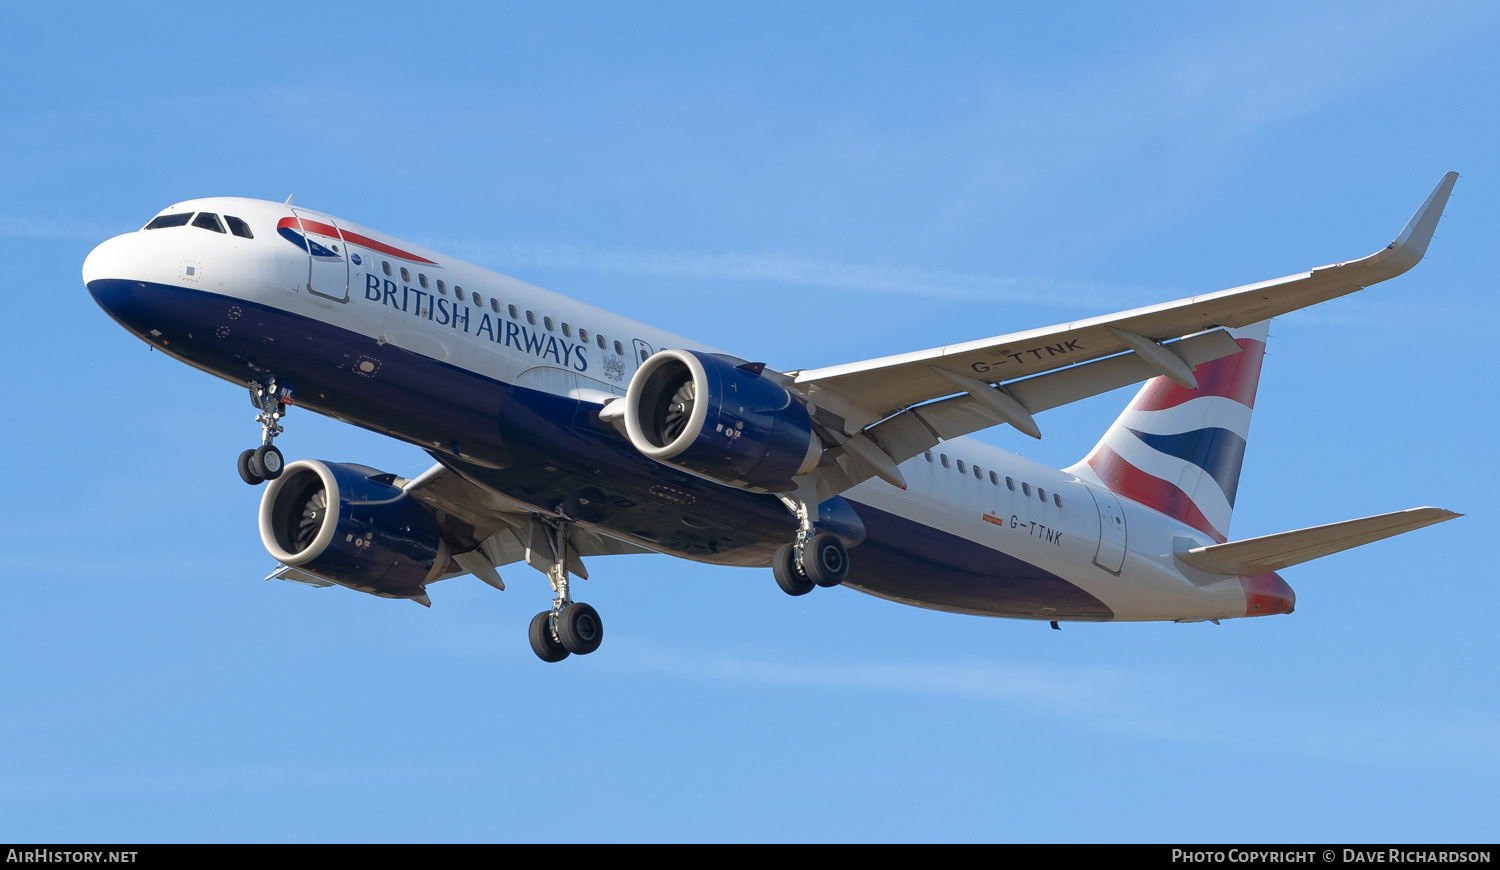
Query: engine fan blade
{"type": "Point", "coordinates": [680, 410]}
{"type": "Point", "coordinates": [313, 513]}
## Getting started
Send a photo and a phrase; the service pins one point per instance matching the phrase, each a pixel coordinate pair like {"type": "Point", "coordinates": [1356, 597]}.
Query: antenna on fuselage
{"type": "Point", "coordinates": [289, 199]}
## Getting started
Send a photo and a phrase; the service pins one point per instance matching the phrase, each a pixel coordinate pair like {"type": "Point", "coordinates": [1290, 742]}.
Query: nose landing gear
{"type": "Point", "coordinates": [265, 462]}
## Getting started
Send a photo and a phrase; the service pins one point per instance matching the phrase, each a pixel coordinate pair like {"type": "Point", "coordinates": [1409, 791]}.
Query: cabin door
{"type": "Point", "coordinates": [1112, 537]}
{"type": "Point", "coordinates": [327, 261]}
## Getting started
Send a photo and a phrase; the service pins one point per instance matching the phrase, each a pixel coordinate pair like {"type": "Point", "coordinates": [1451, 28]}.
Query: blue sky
{"type": "Point", "coordinates": [803, 184]}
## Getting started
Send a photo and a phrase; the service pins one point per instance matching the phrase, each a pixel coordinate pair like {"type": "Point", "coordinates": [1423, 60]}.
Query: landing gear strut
{"type": "Point", "coordinates": [813, 559]}
{"type": "Point", "coordinates": [570, 627]}
{"type": "Point", "coordinates": [265, 462]}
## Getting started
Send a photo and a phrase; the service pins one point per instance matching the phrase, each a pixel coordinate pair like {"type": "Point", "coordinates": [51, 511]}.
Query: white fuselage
{"type": "Point", "coordinates": [513, 333]}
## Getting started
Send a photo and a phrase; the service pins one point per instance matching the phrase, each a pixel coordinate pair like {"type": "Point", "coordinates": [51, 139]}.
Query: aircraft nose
{"type": "Point", "coordinates": [122, 258]}
{"type": "Point", "coordinates": [1267, 594]}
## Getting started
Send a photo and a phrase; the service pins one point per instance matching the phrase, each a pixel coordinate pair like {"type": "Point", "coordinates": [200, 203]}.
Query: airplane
{"type": "Point", "coordinates": [561, 432]}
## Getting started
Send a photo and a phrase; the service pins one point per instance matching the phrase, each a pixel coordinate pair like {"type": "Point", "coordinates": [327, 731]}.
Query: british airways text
{"type": "Point", "coordinates": [421, 303]}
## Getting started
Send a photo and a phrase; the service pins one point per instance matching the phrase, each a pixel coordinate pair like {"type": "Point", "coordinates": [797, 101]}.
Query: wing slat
{"type": "Point", "coordinates": [884, 386]}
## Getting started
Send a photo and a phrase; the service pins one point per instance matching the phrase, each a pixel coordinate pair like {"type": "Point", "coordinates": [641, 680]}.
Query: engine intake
{"type": "Point", "coordinates": [344, 524]}
{"type": "Point", "coordinates": [726, 422]}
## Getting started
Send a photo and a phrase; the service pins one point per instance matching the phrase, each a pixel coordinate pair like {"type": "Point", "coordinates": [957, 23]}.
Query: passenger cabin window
{"type": "Point", "coordinates": [494, 305]}
{"type": "Point", "coordinates": [405, 276]}
{"type": "Point", "coordinates": [583, 335]}
{"type": "Point", "coordinates": [928, 454]}
{"type": "Point", "coordinates": [442, 288]}
{"type": "Point", "coordinates": [1010, 484]}
{"type": "Point", "coordinates": [977, 475]}
{"type": "Point", "coordinates": [567, 331]}
{"type": "Point", "coordinates": [943, 458]}
{"type": "Point", "coordinates": [1057, 499]}
{"type": "Point", "coordinates": [478, 301]}
{"type": "Point", "coordinates": [1041, 493]}
{"type": "Point", "coordinates": [162, 222]}
{"type": "Point", "coordinates": [422, 279]}
{"type": "Point", "coordinates": [386, 268]}
{"type": "Point", "coordinates": [601, 341]}
{"type": "Point", "coordinates": [619, 348]}
{"type": "Point", "coordinates": [1026, 490]}
{"type": "Point", "coordinates": [961, 468]}
{"type": "Point", "coordinates": [547, 322]}
{"type": "Point", "coordinates": [514, 314]}
{"type": "Point", "coordinates": [458, 293]}
{"type": "Point", "coordinates": [238, 227]}
{"type": "Point", "coordinates": [208, 221]}
{"type": "Point", "coordinates": [994, 478]}
{"type": "Point", "coordinates": [531, 318]}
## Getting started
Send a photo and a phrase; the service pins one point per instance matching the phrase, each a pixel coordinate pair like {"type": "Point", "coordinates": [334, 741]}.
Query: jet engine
{"type": "Point", "coordinates": [726, 422]}
{"type": "Point", "coordinates": [350, 525]}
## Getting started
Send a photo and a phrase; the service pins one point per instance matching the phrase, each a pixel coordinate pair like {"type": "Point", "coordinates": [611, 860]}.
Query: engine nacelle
{"type": "Point", "coordinates": [723, 421]}
{"type": "Point", "coordinates": [353, 528]}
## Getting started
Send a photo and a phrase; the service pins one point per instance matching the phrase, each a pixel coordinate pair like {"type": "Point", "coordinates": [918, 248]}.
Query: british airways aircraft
{"type": "Point", "coordinates": [562, 431]}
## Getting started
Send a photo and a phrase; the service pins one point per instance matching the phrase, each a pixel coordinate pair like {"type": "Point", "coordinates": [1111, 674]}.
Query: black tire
{"type": "Point", "coordinates": [542, 643]}
{"type": "Point", "coordinates": [784, 566]}
{"type": "Point", "coordinates": [580, 629]}
{"type": "Point", "coordinates": [247, 471]}
{"type": "Point", "coordinates": [825, 560]}
{"type": "Point", "coordinates": [268, 461]}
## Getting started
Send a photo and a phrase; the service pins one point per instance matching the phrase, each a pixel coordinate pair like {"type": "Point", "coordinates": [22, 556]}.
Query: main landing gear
{"type": "Point", "coordinates": [570, 627]}
{"type": "Point", "coordinates": [264, 463]}
{"type": "Point", "coordinates": [813, 559]}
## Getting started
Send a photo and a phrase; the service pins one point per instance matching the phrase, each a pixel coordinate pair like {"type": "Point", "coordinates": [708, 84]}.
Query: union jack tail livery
{"type": "Point", "coordinates": [1179, 451]}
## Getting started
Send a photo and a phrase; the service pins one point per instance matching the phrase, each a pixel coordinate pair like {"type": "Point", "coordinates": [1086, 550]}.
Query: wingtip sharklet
{"type": "Point", "coordinates": [1419, 229]}
{"type": "Point", "coordinates": [1411, 245]}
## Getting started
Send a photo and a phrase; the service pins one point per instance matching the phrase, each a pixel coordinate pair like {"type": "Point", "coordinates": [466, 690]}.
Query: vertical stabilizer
{"type": "Point", "coordinates": [1179, 451]}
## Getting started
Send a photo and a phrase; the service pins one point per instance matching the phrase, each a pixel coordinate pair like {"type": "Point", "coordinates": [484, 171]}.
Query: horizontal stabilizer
{"type": "Point", "coordinates": [1263, 555]}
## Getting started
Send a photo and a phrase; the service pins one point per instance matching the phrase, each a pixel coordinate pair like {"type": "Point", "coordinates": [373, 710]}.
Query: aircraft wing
{"type": "Point", "coordinates": [493, 531]}
{"type": "Point", "coordinates": [854, 397]}
{"type": "Point", "coordinates": [1273, 552]}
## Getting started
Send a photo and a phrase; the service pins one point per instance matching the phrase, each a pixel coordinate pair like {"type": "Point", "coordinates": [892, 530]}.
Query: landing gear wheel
{"type": "Point", "coordinates": [543, 643]}
{"type": "Point", "coordinates": [825, 560]}
{"type": "Point", "coordinates": [268, 461]}
{"type": "Point", "coordinates": [247, 471]}
{"type": "Point", "coordinates": [580, 629]}
{"type": "Point", "coordinates": [784, 566]}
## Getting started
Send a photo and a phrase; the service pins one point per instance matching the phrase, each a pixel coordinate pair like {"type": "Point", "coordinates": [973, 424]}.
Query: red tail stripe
{"type": "Point", "coordinates": [1125, 479]}
{"type": "Point", "coordinates": [1233, 377]}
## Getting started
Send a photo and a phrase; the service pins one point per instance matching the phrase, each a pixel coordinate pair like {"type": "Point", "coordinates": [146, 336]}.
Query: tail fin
{"type": "Point", "coordinates": [1179, 451]}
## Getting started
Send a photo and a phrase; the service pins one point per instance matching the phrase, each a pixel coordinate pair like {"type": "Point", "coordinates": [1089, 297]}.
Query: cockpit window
{"type": "Point", "coordinates": [238, 227]}
{"type": "Point", "coordinates": [208, 221]}
{"type": "Point", "coordinates": [161, 222]}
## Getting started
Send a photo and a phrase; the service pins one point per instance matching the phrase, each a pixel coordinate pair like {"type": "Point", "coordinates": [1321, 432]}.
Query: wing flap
{"type": "Point", "coordinates": [1273, 552]}
{"type": "Point", "coordinates": [503, 531]}
{"type": "Point", "coordinates": [917, 429]}
{"type": "Point", "coordinates": [297, 575]}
